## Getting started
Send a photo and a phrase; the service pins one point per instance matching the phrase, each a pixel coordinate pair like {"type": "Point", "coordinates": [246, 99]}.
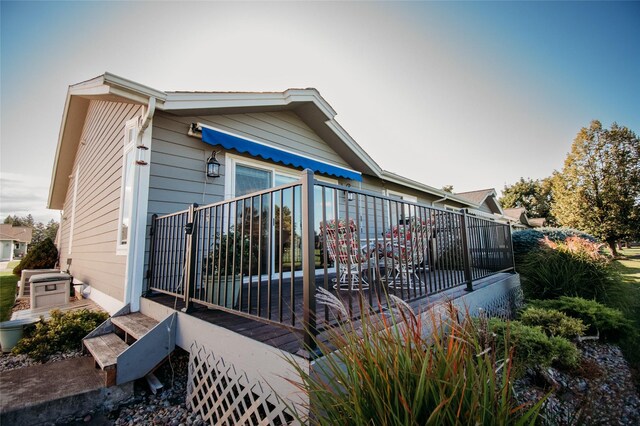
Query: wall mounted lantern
{"type": "Point", "coordinates": [213, 167]}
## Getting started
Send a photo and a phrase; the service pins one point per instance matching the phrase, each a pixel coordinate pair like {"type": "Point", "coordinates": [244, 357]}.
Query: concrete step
{"type": "Point", "coordinates": [39, 394]}
{"type": "Point", "coordinates": [105, 349]}
{"type": "Point", "coordinates": [134, 325]}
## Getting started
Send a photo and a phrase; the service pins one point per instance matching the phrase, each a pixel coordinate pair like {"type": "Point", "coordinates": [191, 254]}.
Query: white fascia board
{"type": "Point", "coordinates": [353, 145]}
{"type": "Point", "coordinates": [311, 95]}
{"type": "Point", "coordinates": [54, 171]}
{"type": "Point", "coordinates": [202, 100]}
{"type": "Point", "coordinates": [104, 85]}
{"type": "Point", "coordinates": [117, 82]}
{"type": "Point", "coordinates": [184, 101]}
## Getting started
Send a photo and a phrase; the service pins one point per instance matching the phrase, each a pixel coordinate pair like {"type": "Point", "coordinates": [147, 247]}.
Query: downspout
{"type": "Point", "coordinates": [151, 109]}
{"type": "Point", "coordinates": [135, 258]}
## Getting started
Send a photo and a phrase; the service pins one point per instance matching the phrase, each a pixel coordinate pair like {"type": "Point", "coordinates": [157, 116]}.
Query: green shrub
{"type": "Point", "coordinates": [610, 323]}
{"type": "Point", "coordinates": [565, 353]}
{"type": "Point", "coordinates": [553, 322]}
{"type": "Point", "coordinates": [62, 332]}
{"type": "Point", "coordinates": [550, 273]}
{"type": "Point", "coordinates": [43, 255]}
{"type": "Point", "coordinates": [388, 372]}
{"type": "Point", "coordinates": [528, 240]}
{"type": "Point", "coordinates": [532, 346]}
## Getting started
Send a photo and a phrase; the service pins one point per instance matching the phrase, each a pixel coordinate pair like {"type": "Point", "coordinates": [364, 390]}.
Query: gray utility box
{"type": "Point", "coordinates": [50, 290]}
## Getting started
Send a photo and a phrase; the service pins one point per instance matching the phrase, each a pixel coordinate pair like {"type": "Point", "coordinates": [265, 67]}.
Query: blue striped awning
{"type": "Point", "coordinates": [256, 149]}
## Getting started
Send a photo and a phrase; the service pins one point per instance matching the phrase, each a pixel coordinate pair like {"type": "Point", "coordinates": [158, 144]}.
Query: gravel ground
{"type": "Point", "coordinates": [11, 362]}
{"type": "Point", "coordinates": [600, 391]}
{"type": "Point", "coordinates": [168, 407]}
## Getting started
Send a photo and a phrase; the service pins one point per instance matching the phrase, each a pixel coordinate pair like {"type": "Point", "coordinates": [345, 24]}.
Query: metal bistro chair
{"type": "Point", "coordinates": [343, 248]}
{"type": "Point", "coordinates": [408, 253]}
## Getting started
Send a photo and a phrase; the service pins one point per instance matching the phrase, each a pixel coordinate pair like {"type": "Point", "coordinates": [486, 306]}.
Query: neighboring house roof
{"type": "Point", "coordinates": [537, 222]}
{"type": "Point", "coordinates": [482, 196]}
{"type": "Point", "coordinates": [22, 234]}
{"type": "Point", "coordinates": [517, 215]}
{"type": "Point", "coordinates": [310, 106]}
{"type": "Point", "coordinates": [520, 214]}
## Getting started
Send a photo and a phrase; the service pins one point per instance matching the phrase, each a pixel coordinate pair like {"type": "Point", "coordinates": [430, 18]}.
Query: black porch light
{"type": "Point", "coordinates": [213, 167]}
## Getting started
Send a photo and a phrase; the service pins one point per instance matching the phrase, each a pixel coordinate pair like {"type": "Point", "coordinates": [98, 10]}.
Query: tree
{"type": "Point", "coordinates": [20, 221]}
{"type": "Point", "coordinates": [448, 188]}
{"type": "Point", "coordinates": [44, 255]}
{"type": "Point", "coordinates": [534, 195]}
{"type": "Point", "coordinates": [598, 190]}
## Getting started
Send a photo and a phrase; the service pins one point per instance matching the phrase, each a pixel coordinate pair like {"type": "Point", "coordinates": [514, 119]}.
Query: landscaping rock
{"type": "Point", "coordinates": [600, 391]}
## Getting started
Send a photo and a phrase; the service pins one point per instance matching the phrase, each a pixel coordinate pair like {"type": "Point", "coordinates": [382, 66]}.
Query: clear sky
{"type": "Point", "coordinates": [470, 94]}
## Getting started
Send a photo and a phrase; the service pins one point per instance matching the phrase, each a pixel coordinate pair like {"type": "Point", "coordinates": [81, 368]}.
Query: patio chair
{"type": "Point", "coordinates": [407, 254]}
{"type": "Point", "coordinates": [343, 248]}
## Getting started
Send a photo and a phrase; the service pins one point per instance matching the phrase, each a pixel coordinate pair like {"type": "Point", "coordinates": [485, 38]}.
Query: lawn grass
{"type": "Point", "coordinates": [8, 283]}
{"type": "Point", "coordinates": [629, 265]}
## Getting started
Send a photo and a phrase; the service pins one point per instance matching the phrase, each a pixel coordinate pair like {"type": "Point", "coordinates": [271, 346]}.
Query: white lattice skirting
{"type": "Point", "coordinates": [223, 395]}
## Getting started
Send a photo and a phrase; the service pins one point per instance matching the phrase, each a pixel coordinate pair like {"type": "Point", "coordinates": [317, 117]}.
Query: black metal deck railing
{"type": "Point", "coordinates": [264, 254]}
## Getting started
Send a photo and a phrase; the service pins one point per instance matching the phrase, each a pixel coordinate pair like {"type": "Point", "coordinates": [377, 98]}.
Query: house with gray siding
{"type": "Point", "coordinates": [14, 241]}
{"type": "Point", "coordinates": [125, 153]}
{"type": "Point", "coordinates": [229, 261]}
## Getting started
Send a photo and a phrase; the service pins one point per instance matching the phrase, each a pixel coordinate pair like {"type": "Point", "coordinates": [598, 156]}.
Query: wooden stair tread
{"type": "Point", "coordinates": [135, 325]}
{"type": "Point", "coordinates": [105, 349]}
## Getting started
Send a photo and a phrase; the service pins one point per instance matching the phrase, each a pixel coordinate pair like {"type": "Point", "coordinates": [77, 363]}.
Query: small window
{"type": "Point", "coordinates": [127, 185]}
{"type": "Point", "coordinates": [405, 211]}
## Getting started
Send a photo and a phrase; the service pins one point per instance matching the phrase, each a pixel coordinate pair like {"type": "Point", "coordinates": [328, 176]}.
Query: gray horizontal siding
{"type": "Point", "coordinates": [99, 158]}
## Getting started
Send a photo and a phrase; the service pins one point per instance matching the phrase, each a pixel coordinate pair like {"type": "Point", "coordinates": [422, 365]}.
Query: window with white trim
{"type": "Point", "coordinates": [404, 210]}
{"type": "Point", "coordinates": [244, 176]}
{"type": "Point", "coordinates": [127, 185]}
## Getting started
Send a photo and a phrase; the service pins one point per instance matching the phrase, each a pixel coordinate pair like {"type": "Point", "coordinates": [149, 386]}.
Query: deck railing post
{"type": "Point", "coordinates": [152, 254]}
{"type": "Point", "coordinates": [466, 253]}
{"type": "Point", "coordinates": [191, 240]}
{"type": "Point", "coordinates": [513, 258]}
{"type": "Point", "coordinates": [308, 261]}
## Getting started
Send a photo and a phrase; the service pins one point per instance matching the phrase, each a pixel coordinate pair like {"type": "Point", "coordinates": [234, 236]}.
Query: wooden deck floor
{"type": "Point", "coordinates": [291, 340]}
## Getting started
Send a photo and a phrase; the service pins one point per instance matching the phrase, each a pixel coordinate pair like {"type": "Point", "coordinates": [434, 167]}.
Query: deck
{"type": "Point", "coordinates": [289, 340]}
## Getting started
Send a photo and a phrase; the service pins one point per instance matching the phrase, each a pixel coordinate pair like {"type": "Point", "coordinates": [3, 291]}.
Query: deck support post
{"type": "Point", "coordinates": [466, 253]}
{"type": "Point", "coordinates": [308, 262]}
{"type": "Point", "coordinates": [191, 231]}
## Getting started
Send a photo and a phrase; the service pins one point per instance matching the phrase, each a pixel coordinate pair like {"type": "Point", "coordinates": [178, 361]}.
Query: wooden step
{"type": "Point", "coordinates": [135, 325]}
{"type": "Point", "coordinates": [105, 349]}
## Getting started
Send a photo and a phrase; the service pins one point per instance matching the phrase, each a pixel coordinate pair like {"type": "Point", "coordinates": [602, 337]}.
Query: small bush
{"type": "Point", "coordinates": [528, 240]}
{"type": "Point", "coordinates": [553, 322]}
{"type": "Point", "coordinates": [532, 346]}
{"type": "Point", "coordinates": [570, 270]}
{"type": "Point", "coordinates": [61, 333]}
{"type": "Point", "coordinates": [610, 323]}
{"type": "Point", "coordinates": [565, 353]}
{"type": "Point", "coordinates": [42, 256]}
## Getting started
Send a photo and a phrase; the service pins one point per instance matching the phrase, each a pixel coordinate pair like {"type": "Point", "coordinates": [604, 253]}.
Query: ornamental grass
{"type": "Point", "coordinates": [399, 368]}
